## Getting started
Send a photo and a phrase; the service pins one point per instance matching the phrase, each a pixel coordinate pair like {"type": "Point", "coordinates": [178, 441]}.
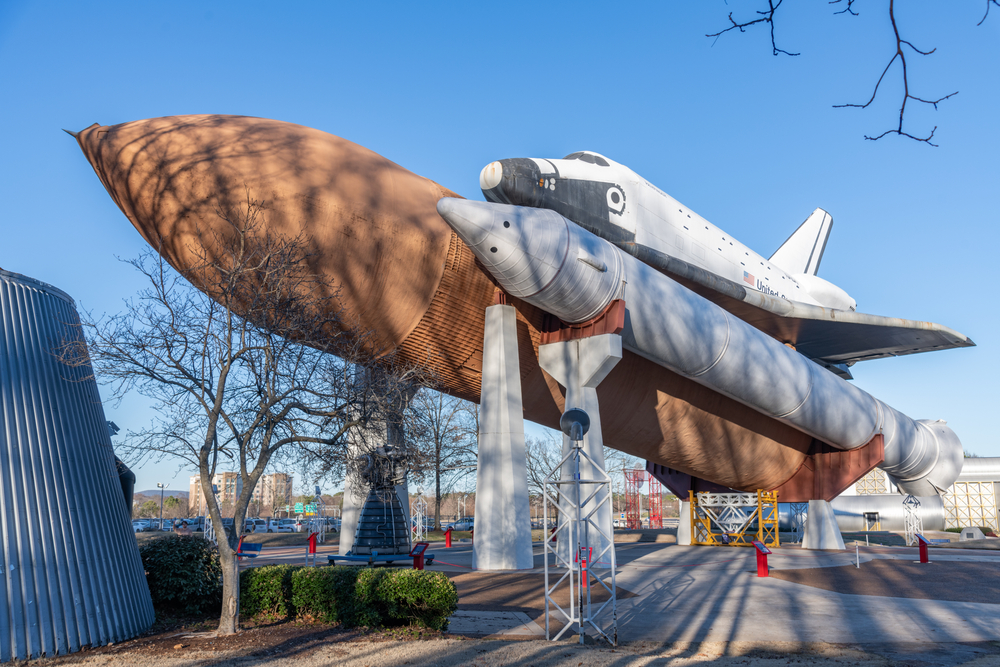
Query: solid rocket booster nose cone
{"type": "Point", "coordinates": [491, 175]}
{"type": "Point", "coordinates": [472, 221]}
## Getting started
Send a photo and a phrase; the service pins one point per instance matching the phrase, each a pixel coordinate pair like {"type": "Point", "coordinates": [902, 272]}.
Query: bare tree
{"type": "Point", "coordinates": [444, 432]}
{"type": "Point", "coordinates": [766, 15]}
{"type": "Point", "coordinates": [255, 365]}
{"type": "Point", "coordinates": [542, 455]}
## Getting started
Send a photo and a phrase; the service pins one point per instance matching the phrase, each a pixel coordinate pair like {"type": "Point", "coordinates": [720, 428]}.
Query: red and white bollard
{"type": "Point", "coordinates": [447, 538]}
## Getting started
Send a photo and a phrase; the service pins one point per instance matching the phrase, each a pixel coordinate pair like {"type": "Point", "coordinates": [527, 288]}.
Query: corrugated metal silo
{"type": "Point", "coordinates": [70, 573]}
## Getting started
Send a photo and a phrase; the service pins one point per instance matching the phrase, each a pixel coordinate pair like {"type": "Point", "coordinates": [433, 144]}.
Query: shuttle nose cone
{"type": "Point", "coordinates": [491, 175]}
{"type": "Point", "coordinates": [511, 181]}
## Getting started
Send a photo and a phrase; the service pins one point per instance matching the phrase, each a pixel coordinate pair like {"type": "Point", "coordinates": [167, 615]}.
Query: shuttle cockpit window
{"type": "Point", "coordinates": [592, 158]}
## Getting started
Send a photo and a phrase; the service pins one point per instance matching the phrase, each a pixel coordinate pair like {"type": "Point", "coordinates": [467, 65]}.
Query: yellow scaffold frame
{"type": "Point", "coordinates": [766, 514]}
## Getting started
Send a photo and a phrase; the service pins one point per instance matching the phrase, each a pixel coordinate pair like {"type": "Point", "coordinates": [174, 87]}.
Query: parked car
{"type": "Point", "coordinates": [281, 526]}
{"type": "Point", "coordinates": [463, 524]}
{"type": "Point", "coordinates": [138, 527]}
{"type": "Point", "coordinates": [255, 526]}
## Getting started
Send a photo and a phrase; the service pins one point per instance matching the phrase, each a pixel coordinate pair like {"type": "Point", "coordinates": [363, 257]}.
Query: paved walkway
{"type": "Point", "coordinates": [692, 594]}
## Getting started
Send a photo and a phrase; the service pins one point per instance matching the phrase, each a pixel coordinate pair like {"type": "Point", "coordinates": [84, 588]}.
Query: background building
{"type": "Point", "coordinates": [274, 490]}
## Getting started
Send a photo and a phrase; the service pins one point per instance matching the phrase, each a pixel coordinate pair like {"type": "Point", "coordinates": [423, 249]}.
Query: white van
{"type": "Point", "coordinates": [281, 526]}
{"type": "Point", "coordinates": [255, 526]}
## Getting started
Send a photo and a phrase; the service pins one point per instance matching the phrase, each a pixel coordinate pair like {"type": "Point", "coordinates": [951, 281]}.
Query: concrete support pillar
{"type": "Point", "coordinates": [822, 531]}
{"type": "Point", "coordinates": [580, 366]}
{"type": "Point", "coordinates": [503, 515]}
{"type": "Point", "coordinates": [684, 525]}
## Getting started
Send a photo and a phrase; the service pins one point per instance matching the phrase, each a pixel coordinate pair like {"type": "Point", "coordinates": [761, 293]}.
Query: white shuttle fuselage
{"type": "Point", "coordinates": [614, 202]}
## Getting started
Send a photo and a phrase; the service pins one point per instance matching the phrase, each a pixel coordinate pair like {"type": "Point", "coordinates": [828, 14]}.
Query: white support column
{"type": "Point", "coordinates": [580, 366]}
{"type": "Point", "coordinates": [822, 531]}
{"type": "Point", "coordinates": [684, 524]}
{"type": "Point", "coordinates": [503, 516]}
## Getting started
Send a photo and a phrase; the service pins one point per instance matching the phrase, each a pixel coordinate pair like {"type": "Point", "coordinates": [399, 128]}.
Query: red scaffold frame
{"type": "Point", "coordinates": [655, 503]}
{"type": "Point", "coordinates": [634, 479]}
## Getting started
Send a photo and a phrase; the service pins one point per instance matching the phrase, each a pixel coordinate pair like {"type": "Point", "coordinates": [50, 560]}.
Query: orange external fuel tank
{"type": "Point", "coordinates": [405, 276]}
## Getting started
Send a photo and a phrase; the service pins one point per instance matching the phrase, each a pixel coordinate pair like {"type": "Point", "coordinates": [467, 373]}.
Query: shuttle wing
{"type": "Point", "coordinates": [828, 336]}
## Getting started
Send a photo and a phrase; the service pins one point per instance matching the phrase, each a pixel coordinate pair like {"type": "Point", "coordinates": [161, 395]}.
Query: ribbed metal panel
{"type": "Point", "coordinates": [70, 573]}
{"type": "Point", "coordinates": [981, 469]}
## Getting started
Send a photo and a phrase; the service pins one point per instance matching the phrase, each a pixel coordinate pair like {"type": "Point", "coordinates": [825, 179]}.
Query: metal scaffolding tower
{"type": "Point", "coordinates": [587, 570]}
{"type": "Point", "coordinates": [655, 503]}
{"type": "Point", "coordinates": [634, 479]}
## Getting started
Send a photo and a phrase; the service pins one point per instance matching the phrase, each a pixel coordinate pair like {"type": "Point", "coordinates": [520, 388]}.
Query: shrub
{"type": "Point", "coordinates": [351, 596]}
{"type": "Point", "coordinates": [183, 574]}
{"type": "Point", "coordinates": [327, 594]}
{"type": "Point", "coordinates": [267, 590]}
{"type": "Point", "coordinates": [406, 596]}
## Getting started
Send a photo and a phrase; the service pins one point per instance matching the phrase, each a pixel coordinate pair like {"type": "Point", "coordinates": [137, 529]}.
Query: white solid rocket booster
{"type": "Point", "coordinates": [541, 257]}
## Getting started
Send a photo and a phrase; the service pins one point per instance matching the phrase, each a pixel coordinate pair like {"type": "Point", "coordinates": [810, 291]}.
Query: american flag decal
{"type": "Point", "coordinates": [748, 278]}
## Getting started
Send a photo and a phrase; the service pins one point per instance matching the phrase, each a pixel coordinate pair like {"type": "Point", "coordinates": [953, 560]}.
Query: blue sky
{"type": "Point", "coordinates": [747, 139]}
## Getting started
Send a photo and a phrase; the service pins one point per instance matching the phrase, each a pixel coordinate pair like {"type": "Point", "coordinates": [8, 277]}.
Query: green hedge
{"type": "Point", "coordinates": [183, 574]}
{"type": "Point", "coordinates": [267, 590]}
{"type": "Point", "coordinates": [351, 596]}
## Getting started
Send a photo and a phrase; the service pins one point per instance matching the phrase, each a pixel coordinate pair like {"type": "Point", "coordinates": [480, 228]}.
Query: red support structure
{"type": "Point", "coordinates": [655, 503]}
{"type": "Point", "coordinates": [634, 479]}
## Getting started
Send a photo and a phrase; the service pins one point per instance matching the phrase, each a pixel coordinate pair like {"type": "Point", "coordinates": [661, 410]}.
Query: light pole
{"type": "Point", "coordinates": [161, 487]}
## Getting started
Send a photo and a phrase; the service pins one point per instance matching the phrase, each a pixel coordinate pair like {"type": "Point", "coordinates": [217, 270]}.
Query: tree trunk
{"type": "Point", "coordinates": [229, 620]}
{"type": "Point", "coordinates": [437, 488]}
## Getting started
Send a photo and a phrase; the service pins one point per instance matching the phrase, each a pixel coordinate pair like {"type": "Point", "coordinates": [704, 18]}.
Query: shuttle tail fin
{"type": "Point", "coordinates": [803, 250]}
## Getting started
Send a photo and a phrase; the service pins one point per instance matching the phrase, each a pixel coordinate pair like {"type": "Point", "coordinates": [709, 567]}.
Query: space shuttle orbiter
{"type": "Point", "coordinates": [781, 295]}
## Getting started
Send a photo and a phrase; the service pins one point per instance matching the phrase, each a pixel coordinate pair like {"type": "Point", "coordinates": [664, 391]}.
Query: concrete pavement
{"type": "Point", "coordinates": [695, 594]}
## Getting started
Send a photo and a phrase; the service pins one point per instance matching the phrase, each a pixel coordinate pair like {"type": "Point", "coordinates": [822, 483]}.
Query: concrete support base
{"type": "Point", "coordinates": [580, 366]}
{"type": "Point", "coordinates": [822, 531]}
{"type": "Point", "coordinates": [503, 514]}
{"type": "Point", "coordinates": [684, 525]}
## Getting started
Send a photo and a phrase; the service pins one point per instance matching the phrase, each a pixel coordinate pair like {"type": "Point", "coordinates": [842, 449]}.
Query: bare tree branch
{"type": "Point", "coordinates": [766, 16]}
{"type": "Point", "coordinates": [849, 9]}
{"type": "Point", "coordinates": [987, 13]}
{"type": "Point", "coordinates": [901, 55]}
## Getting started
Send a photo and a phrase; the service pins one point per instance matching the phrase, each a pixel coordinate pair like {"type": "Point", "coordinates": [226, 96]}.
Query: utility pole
{"type": "Point", "coordinates": [161, 487]}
